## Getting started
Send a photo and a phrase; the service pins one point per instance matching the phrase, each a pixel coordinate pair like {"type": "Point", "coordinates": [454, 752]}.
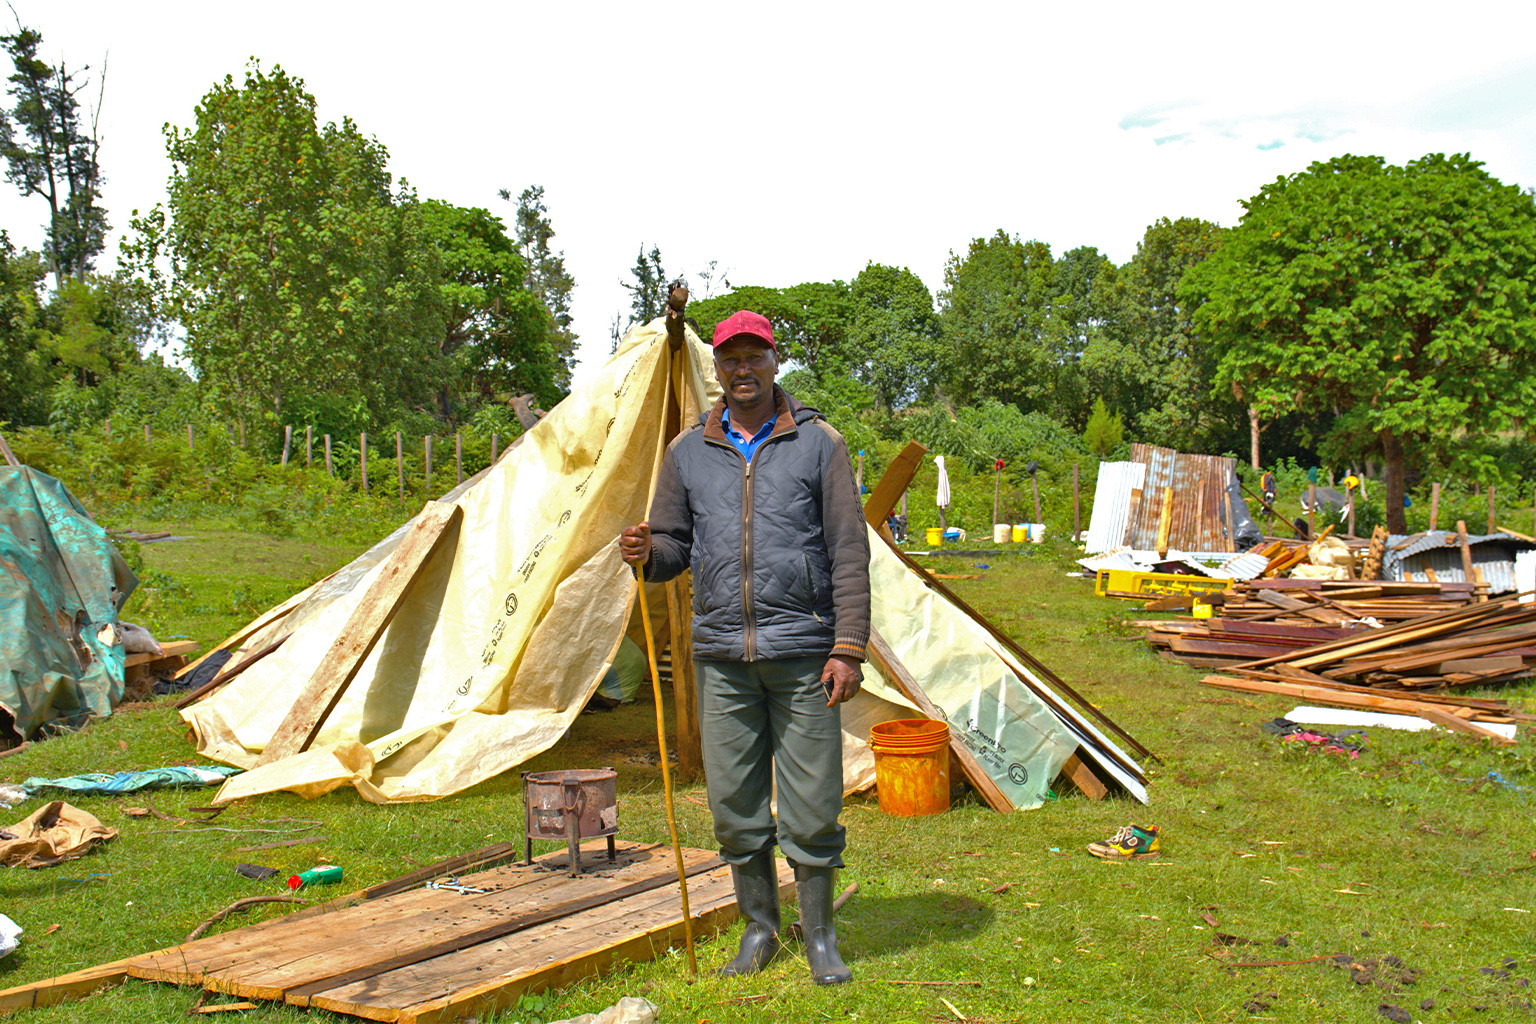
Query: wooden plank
{"type": "Point", "coordinates": [893, 483]}
{"type": "Point", "coordinates": [173, 649]}
{"type": "Point", "coordinates": [362, 631]}
{"type": "Point", "coordinates": [1337, 698]}
{"type": "Point", "coordinates": [690, 749]}
{"type": "Point", "coordinates": [1493, 665]}
{"type": "Point", "coordinates": [494, 975]}
{"type": "Point", "coordinates": [417, 949]}
{"type": "Point", "coordinates": [890, 666]}
{"type": "Point", "coordinates": [263, 961]}
{"type": "Point", "coordinates": [1083, 777]}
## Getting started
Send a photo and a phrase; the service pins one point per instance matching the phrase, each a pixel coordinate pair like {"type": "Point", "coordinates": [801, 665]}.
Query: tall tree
{"type": "Point", "coordinates": [23, 376]}
{"type": "Point", "coordinates": [1150, 363]}
{"type": "Point", "coordinates": [992, 315]}
{"type": "Point", "coordinates": [546, 276]}
{"type": "Point", "coordinates": [497, 331]}
{"type": "Point", "coordinates": [54, 156]}
{"type": "Point", "coordinates": [304, 279]}
{"type": "Point", "coordinates": [1401, 298]}
{"type": "Point", "coordinates": [892, 341]}
{"type": "Point", "coordinates": [647, 293]}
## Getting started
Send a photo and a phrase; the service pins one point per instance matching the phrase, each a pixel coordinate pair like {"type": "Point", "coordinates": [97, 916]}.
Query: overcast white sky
{"type": "Point", "coordinates": [796, 142]}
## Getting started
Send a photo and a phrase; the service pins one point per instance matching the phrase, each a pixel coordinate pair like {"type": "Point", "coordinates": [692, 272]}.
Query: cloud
{"type": "Point", "coordinates": [1276, 144]}
{"type": "Point", "coordinates": [1163, 140]}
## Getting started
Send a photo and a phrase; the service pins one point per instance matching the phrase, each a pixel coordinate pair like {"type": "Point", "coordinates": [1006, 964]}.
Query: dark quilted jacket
{"type": "Point", "coordinates": [778, 547]}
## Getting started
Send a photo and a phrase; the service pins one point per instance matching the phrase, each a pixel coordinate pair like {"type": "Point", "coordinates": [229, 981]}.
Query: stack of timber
{"type": "Point", "coordinates": [1261, 618]}
{"type": "Point", "coordinates": [1407, 666]}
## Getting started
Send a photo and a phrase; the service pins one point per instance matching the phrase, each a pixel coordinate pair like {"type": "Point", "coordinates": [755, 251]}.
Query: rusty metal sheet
{"type": "Point", "coordinates": [1407, 557]}
{"type": "Point", "coordinates": [1200, 520]}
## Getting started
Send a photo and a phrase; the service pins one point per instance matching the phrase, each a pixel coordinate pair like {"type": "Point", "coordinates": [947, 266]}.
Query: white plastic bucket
{"type": "Point", "coordinates": [1001, 532]}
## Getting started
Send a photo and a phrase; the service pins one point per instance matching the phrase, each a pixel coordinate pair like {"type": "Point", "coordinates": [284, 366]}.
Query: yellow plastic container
{"type": "Point", "coordinates": [911, 766]}
{"type": "Point", "coordinates": [1020, 533]}
{"type": "Point", "coordinates": [935, 537]}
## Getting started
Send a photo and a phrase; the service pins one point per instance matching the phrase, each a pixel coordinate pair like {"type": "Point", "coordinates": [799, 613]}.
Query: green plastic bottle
{"type": "Point", "coordinates": [327, 875]}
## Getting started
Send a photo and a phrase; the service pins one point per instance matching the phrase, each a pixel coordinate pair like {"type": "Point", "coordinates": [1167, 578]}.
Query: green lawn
{"type": "Point", "coordinates": [1413, 860]}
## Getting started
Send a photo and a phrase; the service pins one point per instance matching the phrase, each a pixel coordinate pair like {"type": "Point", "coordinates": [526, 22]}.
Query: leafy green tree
{"type": "Point", "coordinates": [892, 341]}
{"type": "Point", "coordinates": [1104, 432]}
{"type": "Point", "coordinates": [1150, 362]}
{"type": "Point", "coordinates": [992, 314]}
{"type": "Point", "coordinates": [1400, 298]}
{"type": "Point", "coordinates": [55, 157]}
{"type": "Point", "coordinates": [547, 278]}
{"type": "Point", "coordinates": [23, 373]}
{"type": "Point", "coordinates": [497, 335]}
{"type": "Point", "coordinates": [306, 282]}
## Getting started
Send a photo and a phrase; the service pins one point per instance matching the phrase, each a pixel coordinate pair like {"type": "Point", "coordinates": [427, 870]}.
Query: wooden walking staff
{"type": "Point", "coordinates": [997, 486]}
{"type": "Point", "coordinates": [675, 301]}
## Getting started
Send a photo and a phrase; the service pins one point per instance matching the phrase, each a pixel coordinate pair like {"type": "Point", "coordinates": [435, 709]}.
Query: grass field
{"type": "Point", "coordinates": [1416, 861]}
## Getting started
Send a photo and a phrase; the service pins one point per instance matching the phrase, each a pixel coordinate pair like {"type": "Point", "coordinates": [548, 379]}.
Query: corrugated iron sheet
{"type": "Point", "coordinates": [1243, 567]}
{"type": "Point", "coordinates": [1407, 558]}
{"type": "Point", "coordinates": [1201, 519]}
{"type": "Point", "coordinates": [1111, 505]}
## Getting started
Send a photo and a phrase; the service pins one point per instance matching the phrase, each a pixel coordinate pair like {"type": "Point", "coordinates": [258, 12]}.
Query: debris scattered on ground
{"type": "Point", "coordinates": [1340, 743]}
{"type": "Point", "coordinates": [629, 1010]}
{"type": "Point", "coordinates": [53, 834]}
{"type": "Point", "coordinates": [10, 936]}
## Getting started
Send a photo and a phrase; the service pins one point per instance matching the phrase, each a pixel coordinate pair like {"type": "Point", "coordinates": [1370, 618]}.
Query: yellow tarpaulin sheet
{"type": "Point", "coordinates": [511, 624]}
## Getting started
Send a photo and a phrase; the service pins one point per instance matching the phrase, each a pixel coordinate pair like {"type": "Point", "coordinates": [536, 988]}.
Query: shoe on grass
{"type": "Point", "coordinates": [1132, 842]}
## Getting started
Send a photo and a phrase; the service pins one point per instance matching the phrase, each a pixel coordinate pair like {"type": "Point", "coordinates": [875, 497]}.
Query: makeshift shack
{"type": "Point", "coordinates": [469, 639]}
{"type": "Point", "coordinates": [61, 652]}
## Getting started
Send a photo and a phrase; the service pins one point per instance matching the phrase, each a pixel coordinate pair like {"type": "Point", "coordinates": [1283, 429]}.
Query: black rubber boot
{"type": "Point", "coordinates": [815, 892]}
{"type": "Point", "coordinates": [757, 894]}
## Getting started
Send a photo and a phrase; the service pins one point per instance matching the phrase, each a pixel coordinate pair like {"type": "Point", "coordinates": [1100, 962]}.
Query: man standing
{"type": "Point", "coordinates": [759, 500]}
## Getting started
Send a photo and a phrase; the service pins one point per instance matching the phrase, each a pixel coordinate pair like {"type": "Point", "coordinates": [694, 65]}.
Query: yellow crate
{"type": "Point", "coordinates": [1152, 584]}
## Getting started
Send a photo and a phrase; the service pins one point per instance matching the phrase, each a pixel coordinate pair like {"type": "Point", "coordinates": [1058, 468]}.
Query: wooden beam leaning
{"type": "Point", "coordinates": [362, 631]}
{"type": "Point", "coordinates": [690, 750]}
{"type": "Point", "coordinates": [893, 484]}
{"type": "Point", "coordinates": [884, 658]}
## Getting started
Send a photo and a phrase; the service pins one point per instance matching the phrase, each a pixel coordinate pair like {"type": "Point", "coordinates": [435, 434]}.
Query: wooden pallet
{"type": "Point", "coordinates": [141, 670]}
{"type": "Point", "coordinates": [436, 955]}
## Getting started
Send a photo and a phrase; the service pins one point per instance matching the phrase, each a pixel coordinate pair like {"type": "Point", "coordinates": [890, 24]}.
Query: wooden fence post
{"type": "Point", "coordinates": [309, 445]}
{"type": "Point", "coordinates": [400, 463]}
{"type": "Point", "coordinates": [1491, 513]}
{"type": "Point", "coordinates": [1434, 505]}
{"type": "Point", "coordinates": [331, 470]}
{"type": "Point", "coordinates": [426, 443]}
{"type": "Point", "coordinates": [1035, 482]}
{"type": "Point", "coordinates": [493, 449]}
{"type": "Point", "coordinates": [146, 431]}
{"type": "Point", "coordinates": [1077, 517]}
{"type": "Point", "coordinates": [242, 434]}
{"type": "Point", "coordinates": [362, 457]}
{"type": "Point", "coordinates": [1311, 510]}
{"type": "Point", "coordinates": [287, 440]}
{"type": "Point", "coordinates": [189, 436]}
{"type": "Point", "coordinates": [458, 455]}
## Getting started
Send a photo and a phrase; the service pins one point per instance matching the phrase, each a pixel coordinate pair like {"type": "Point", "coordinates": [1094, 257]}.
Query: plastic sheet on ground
{"type": "Point", "coordinates": [61, 655]}
{"type": "Point", "coordinates": [102, 784]}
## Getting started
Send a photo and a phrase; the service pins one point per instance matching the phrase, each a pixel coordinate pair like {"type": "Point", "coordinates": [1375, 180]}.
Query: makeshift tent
{"type": "Point", "coordinates": [468, 640]}
{"type": "Point", "coordinates": [61, 652]}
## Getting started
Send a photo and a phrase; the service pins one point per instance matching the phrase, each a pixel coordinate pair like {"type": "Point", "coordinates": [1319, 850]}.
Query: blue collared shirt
{"type": "Point", "coordinates": [742, 444]}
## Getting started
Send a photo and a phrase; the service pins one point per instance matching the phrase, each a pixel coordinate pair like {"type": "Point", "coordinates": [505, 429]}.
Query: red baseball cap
{"type": "Point", "coordinates": [745, 322]}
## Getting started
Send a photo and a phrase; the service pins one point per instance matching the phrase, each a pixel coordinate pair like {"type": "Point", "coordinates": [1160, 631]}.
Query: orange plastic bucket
{"type": "Point", "coordinates": [911, 766]}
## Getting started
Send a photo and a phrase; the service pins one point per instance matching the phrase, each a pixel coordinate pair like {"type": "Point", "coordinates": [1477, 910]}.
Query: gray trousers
{"type": "Point", "coordinates": [761, 721]}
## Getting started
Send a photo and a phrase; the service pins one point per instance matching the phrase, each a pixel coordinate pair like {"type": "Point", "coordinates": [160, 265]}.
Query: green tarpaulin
{"type": "Point", "coordinates": [61, 586]}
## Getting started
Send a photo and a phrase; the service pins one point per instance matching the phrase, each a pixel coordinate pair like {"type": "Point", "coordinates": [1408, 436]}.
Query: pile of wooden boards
{"type": "Point", "coordinates": [1387, 669]}
{"type": "Point", "coordinates": [1289, 602]}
